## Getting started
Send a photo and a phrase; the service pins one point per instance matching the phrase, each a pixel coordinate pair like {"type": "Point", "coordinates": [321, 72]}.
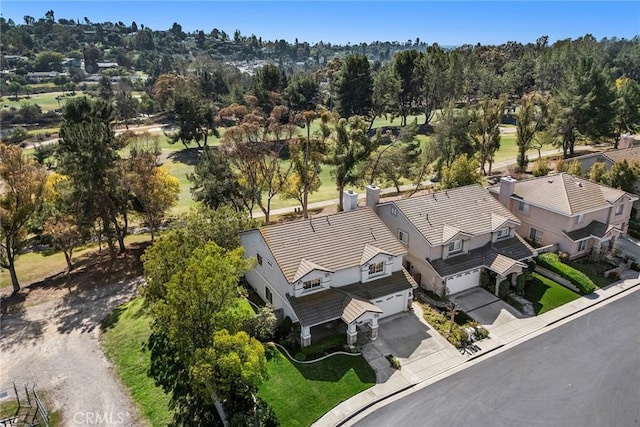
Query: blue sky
{"type": "Point", "coordinates": [444, 22]}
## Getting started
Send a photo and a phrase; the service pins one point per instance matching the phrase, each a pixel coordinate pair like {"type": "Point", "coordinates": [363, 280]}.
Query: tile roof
{"type": "Point", "coordinates": [628, 154]}
{"type": "Point", "coordinates": [438, 216]}
{"type": "Point", "coordinates": [565, 193]}
{"type": "Point", "coordinates": [593, 229]}
{"type": "Point", "coordinates": [346, 302]}
{"type": "Point", "coordinates": [332, 242]}
{"type": "Point", "coordinates": [499, 257]}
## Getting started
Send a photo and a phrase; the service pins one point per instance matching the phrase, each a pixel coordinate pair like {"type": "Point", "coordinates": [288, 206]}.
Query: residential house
{"type": "Point", "coordinates": [452, 236]}
{"type": "Point", "coordinates": [577, 215]}
{"type": "Point", "coordinates": [341, 269]}
{"type": "Point", "coordinates": [611, 157]}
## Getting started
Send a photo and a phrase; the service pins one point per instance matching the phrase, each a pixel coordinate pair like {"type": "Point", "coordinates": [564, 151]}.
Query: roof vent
{"type": "Point", "coordinates": [579, 184]}
{"type": "Point", "coordinates": [550, 181]}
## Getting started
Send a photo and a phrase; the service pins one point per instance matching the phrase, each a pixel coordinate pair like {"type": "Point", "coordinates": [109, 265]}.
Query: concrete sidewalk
{"type": "Point", "coordinates": [449, 360]}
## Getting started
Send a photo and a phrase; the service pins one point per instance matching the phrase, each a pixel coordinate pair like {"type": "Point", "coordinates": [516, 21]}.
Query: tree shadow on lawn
{"type": "Point", "coordinates": [534, 291]}
{"type": "Point", "coordinates": [187, 156]}
{"type": "Point", "coordinates": [334, 368]}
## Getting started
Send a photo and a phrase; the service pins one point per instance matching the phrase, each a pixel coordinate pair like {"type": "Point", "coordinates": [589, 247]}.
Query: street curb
{"type": "Point", "coordinates": [405, 388]}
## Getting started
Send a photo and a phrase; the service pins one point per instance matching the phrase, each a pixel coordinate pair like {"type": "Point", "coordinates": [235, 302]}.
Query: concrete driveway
{"type": "Point", "coordinates": [629, 247]}
{"type": "Point", "coordinates": [487, 309]}
{"type": "Point", "coordinates": [405, 336]}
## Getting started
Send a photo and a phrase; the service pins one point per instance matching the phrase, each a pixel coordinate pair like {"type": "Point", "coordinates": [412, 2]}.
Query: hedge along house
{"type": "Point", "coordinates": [452, 236]}
{"type": "Point", "coordinates": [578, 216]}
{"type": "Point", "coordinates": [344, 267]}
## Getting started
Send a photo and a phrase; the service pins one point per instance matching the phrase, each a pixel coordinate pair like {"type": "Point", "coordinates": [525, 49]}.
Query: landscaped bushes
{"type": "Point", "coordinates": [551, 262]}
{"type": "Point", "coordinates": [442, 324]}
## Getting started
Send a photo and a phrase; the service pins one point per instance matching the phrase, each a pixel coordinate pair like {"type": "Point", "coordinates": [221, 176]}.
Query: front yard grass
{"type": "Point", "coordinates": [298, 393]}
{"type": "Point", "coordinates": [301, 393]}
{"type": "Point", "coordinates": [545, 294]}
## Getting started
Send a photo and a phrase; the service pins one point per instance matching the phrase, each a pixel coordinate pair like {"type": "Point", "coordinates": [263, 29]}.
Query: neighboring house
{"type": "Point", "coordinates": [321, 271]}
{"type": "Point", "coordinates": [573, 213]}
{"type": "Point", "coordinates": [452, 236]}
{"type": "Point", "coordinates": [609, 158]}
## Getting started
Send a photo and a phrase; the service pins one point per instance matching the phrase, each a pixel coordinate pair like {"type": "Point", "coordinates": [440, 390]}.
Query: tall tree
{"type": "Point", "coordinates": [22, 196]}
{"type": "Point", "coordinates": [386, 87]}
{"type": "Point", "coordinates": [88, 155]}
{"type": "Point", "coordinates": [531, 117]}
{"type": "Point", "coordinates": [485, 129]}
{"type": "Point", "coordinates": [627, 107]}
{"type": "Point", "coordinates": [437, 87]}
{"type": "Point", "coordinates": [195, 117]}
{"type": "Point", "coordinates": [351, 146]}
{"type": "Point", "coordinates": [451, 137]}
{"type": "Point", "coordinates": [354, 88]}
{"type": "Point", "coordinates": [301, 93]}
{"type": "Point", "coordinates": [463, 171]}
{"type": "Point", "coordinates": [405, 66]}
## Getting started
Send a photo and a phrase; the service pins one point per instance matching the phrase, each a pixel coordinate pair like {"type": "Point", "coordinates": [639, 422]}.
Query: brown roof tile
{"type": "Point", "coordinates": [333, 242]}
{"type": "Point", "coordinates": [469, 209]}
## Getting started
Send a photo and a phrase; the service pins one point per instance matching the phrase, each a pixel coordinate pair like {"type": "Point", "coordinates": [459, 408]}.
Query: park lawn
{"type": "Point", "coordinates": [509, 149]}
{"type": "Point", "coordinates": [46, 101]}
{"type": "Point", "coordinates": [124, 338]}
{"type": "Point", "coordinates": [545, 294]}
{"type": "Point", "coordinates": [301, 393]}
{"type": "Point", "coordinates": [35, 266]}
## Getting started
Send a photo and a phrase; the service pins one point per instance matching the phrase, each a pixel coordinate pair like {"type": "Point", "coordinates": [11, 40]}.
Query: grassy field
{"type": "Point", "coordinates": [301, 393]}
{"type": "Point", "coordinates": [35, 266]}
{"type": "Point", "coordinates": [46, 101]}
{"type": "Point", "coordinates": [125, 332]}
{"type": "Point", "coordinates": [545, 294]}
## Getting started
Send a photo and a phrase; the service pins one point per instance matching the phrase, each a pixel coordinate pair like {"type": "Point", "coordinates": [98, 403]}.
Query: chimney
{"type": "Point", "coordinates": [373, 196]}
{"type": "Point", "coordinates": [507, 188]}
{"type": "Point", "coordinates": [349, 200]}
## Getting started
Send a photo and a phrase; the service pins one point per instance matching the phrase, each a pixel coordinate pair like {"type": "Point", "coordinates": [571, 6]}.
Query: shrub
{"type": "Point", "coordinates": [520, 282]}
{"type": "Point", "coordinates": [552, 262]}
{"type": "Point", "coordinates": [441, 323]}
{"type": "Point", "coordinates": [503, 290]}
{"type": "Point", "coordinates": [285, 328]}
{"type": "Point", "coordinates": [635, 266]}
{"type": "Point", "coordinates": [561, 165]}
{"type": "Point", "coordinates": [541, 167]}
{"type": "Point", "coordinates": [394, 361]}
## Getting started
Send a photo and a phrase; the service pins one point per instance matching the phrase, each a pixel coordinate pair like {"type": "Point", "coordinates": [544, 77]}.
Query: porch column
{"type": "Point", "coordinates": [596, 248]}
{"type": "Point", "coordinates": [374, 328]}
{"type": "Point", "coordinates": [305, 336]}
{"type": "Point", "coordinates": [513, 278]}
{"type": "Point", "coordinates": [352, 334]}
{"type": "Point", "coordinates": [498, 280]}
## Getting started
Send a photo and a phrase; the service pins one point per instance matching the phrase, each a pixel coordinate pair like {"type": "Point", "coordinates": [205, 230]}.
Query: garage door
{"type": "Point", "coordinates": [392, 304]}
{"type": "Point", "coordinates": [463, 281]}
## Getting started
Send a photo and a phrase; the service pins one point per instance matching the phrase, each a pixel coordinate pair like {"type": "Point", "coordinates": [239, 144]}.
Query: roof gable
{"type": "Point", "coordinates": [370, 252]}
{"type": "Point", "coordinates": [567, 194]}
{"type": "Point", "coordinates": [329, 243]}
{"type": "Point", "coordinates": [438, 216]}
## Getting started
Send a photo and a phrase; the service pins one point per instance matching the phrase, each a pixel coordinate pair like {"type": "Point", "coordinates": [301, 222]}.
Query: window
{"type": "Point", "coordinates": [310, 284]}
{"type": "Point", "coordinates": [403, 236]}
{"type": "Point", "coordinates": [455, 246]}
{"type": "Point", "coordinates": [268, 294]}
{"type": "Point", "coordinates": [502, 233]}
{"type": "Point", "coordinates": [582, 245]}
{"type": "Point", "coordinates": [259, 259]}
{"type": "Point", "coordinates": [394, 211]}
{"type": "Point", "coordinates": [535, 235]}
{"type": "Point", "coordinates": [619, 209]}
{"type": "Point", "coordinates": [579, 219]}
{"type": "Point", "coordinates": [376, 268]}
{"type": "Point", "coordinates": [523, 207]}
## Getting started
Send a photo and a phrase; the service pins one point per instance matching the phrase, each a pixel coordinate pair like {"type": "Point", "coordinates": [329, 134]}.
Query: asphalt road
{"type": "Point", "coordinates": [584, 373]}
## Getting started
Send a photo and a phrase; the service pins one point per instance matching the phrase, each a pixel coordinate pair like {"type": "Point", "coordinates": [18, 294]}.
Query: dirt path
{"type": "Point", "coordinates": [55, 344]}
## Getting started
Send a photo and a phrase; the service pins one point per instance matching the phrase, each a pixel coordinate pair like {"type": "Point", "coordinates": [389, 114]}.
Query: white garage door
{"type": "Point", "coordinates": [392, 304]}
{"type": "Point", "coordinates": [463, 281]}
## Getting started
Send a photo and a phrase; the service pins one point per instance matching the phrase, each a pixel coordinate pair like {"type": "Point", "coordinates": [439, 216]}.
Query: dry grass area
{"type": "Point", "coordinates": [93, 271]}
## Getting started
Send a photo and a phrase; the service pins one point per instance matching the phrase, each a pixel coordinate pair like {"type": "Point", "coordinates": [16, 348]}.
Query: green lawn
{"type": "Point", "coordinates": [545, 294]}
{"type": "Point", "coordinates": [125, 333]}
{"type": "Point", "coordinates": [298, 393]}
{"type": "Point", "coordinates": [46, 101]}
{"type": "Point", "coordinates": [301, 393]}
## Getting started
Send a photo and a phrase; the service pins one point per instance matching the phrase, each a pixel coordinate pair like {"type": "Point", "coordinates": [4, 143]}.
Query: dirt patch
{"type": "Point", "coordinates": [50, 337]}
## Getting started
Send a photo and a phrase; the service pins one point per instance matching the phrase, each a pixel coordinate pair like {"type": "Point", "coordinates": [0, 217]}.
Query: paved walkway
{"type": "Point", "coordinates": [445, 361]}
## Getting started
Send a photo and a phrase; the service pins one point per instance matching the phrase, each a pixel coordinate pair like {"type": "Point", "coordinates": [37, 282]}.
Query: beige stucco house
{"type": "Point", "coordinates": [345, 267]}
{"type": "Point", "coordinates": [577, 215]}
{"type": "Point", "coordinates": [452, 236]}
